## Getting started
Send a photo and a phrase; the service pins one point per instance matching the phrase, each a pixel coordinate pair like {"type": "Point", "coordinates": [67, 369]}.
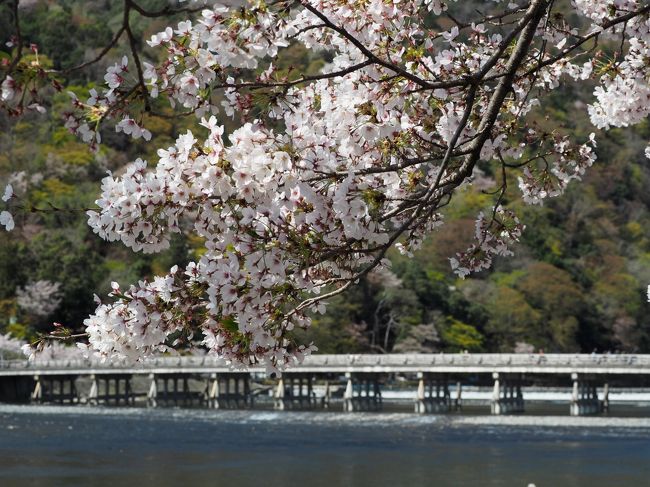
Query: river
{"type": "Point", "coordinates": [70, 446]}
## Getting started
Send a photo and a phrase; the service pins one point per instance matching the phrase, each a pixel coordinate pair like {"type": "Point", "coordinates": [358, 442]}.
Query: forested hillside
{"type": "Point", "coordinates": [576, 283]}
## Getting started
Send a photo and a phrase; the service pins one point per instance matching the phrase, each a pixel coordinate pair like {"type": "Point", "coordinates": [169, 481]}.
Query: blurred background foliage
{"type": "Point", "coordinates": [576, 283]}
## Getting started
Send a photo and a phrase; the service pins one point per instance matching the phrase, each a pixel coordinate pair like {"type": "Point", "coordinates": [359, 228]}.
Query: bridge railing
{"type": "Point", "coordinates": [477, 359]}
{"type": "Point", "coordinates": [399, 361]}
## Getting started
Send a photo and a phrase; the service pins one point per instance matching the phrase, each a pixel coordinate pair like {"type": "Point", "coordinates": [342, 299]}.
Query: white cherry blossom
{"type": "Point", "coordinates": [7, 220]}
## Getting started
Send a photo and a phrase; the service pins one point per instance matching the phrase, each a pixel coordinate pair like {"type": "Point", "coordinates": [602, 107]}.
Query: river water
{"type": "Point", "coordinates": [70, 446]}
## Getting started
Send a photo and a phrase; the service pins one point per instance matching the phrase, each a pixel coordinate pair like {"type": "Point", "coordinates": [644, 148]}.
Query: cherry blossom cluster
{"type": "Point", "coordinates": [623, 98]}
{"type": "Point", "coordinates": [85, 118]}
{"type": "Point", "coordinates": [8, 89]}
{"type": "Point", "coordinates": [14, 348]}
{"type": "Point", "coordinates": [137, 322]}
{"type": "Point", "coordinates": [6, 218]}
{"type": "Point", "coordinates": [14, 189]}
{"type": "Point", "coordinates": [11, 345]}
{"type": "Point", "coordinates": [494, 237]}
{"type": "Point", "coordinates": [40, 298]}
{"type": "Point", "coordinates": [20, 86]}
{"type": "Point", "coordinates": [538, 183]}
{"type": "Point", "coordinates": [326, 172]}
{"type": "Point", "coordinates": [56, 350]}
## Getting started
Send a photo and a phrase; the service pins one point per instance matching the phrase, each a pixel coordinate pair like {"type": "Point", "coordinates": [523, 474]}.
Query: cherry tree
{"type": "Point", "coordinates": [310, 191]}
{"type": "Point", "coordinates": [10, 346]}
{"type": "Point", "coordinates": [39, 298]}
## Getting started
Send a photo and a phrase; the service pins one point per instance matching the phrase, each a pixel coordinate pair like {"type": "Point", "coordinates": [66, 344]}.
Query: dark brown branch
{"type": "Point", "coordinates": [533, 16]}
{"type": "Point", "coordinates": [573, 47]}
{"type": "Point", "coordinates": [165, 12]}
{"type": "Point", "coordinates": [489, 18]}
{"type": "Point", "coordinates": [99, 57]}
{"type": "Point", "coordinates": [128, 5]}
{"type": "Point", "coordinates": [302, 79]}
{"type": "Point", "coordinates": [366, 52]}
{"type": "Point", "coordinates": [19, 41]}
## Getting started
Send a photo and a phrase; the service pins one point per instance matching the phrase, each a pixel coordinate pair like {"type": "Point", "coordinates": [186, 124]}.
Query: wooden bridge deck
{"type": "Point", "coordinates": [609, 364]}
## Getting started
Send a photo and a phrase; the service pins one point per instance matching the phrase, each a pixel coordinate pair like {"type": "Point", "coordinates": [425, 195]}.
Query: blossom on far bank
{"type": "Point", "coordinates": [9, 192]}
{"type": "Point", "coordinates": [8, 89]}
{"type": "Point", "coordinates": [7, 220]}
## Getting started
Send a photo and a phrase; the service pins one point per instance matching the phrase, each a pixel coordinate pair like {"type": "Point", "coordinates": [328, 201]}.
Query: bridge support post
{"type": "Point", "coordinates": [458, 401]}
{"type": "Point", "coordinates": [278, 402]}
{"type": "Point", "coordinates": [125, 395]}
{"type": "Point", "coordinates": [433, 394]}
{"type": "Point", "coordinates": [104, 395]}
{"type": "Point", "coordinates": [605, 404]}
{"type": "Point", "coordinates": [59, 389]}
{"type": "Point", "coordinates": [507, 396]}
{"type": "Point", "coordinates": [93, 394]}
{"type": "Point", "coordinates": [212, 391]}
{"type": "Point", "coordinates": [496, 395]}
{"type": "Point", "coordinates": [327, 396]}
{"type": "Point", "coordinates": [71, 396]}
{"type": "Point", "coordinates": [362, 393]}
{"type": "Point", "coordinates": [152, 393]}
{"type": "Point", "coordinates": [348, 394]}
{"type": "Point", "coordinates": [584, 396]}
{"type": "Point", "coordinates": [37, 393]}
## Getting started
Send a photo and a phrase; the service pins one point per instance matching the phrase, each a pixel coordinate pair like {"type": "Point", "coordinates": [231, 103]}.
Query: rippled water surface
{"type": "Point", "coordinates": [51, 446]}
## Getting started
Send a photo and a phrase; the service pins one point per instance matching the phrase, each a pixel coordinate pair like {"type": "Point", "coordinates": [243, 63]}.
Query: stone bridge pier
{"type": "Point", "coordinates": [229, 391]}
{"type": "Point", "coordinates": [506, 395]}
{"type": "Point", "coordinates": [174, 390]}
{"type": "Point", "coordinates": [60, 389]}
{"type": "Point", "coordinates": [584, 396]}
{"type": "Point", "coordinates": [433, 394]}
{"type": "Point", "coordinates": [295, 391]}
{"type": "Point", "coordinates": [362, 393]}
{"type": "Point", "coordinates": [111, 390]}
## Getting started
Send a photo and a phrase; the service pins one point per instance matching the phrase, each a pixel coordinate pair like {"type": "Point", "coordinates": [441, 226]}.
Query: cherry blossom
{"type": "Point", "coordinates": [7, 220]}
{"type": "Point", "coordinates": [9, 192]}
{"type": "Point", "coordinates": [115, 74]}
{"type": "Point", "coordinates": [8, 87]}
{"type": "Point", "coordinates": [10, 344]}
{"type": "Point", "coordinates": [40, 298]}
{"type": "Point", "coordinates": [130, 127]}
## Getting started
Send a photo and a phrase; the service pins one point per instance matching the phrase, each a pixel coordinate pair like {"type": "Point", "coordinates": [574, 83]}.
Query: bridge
{"type": "Point", "coordinates": [357, 379]}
